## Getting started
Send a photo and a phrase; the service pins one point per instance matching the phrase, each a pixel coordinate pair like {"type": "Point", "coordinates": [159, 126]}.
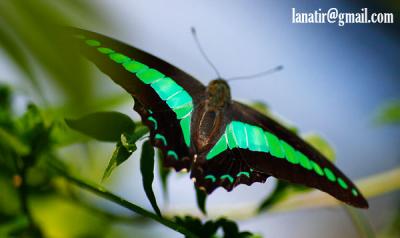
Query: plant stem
{"type": "Point", "coordinates": [101, 191]}
{"type": "Point", "coordinates": [23, 197]}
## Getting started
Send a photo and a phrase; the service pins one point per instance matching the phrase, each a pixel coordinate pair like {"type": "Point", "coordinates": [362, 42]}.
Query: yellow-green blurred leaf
{"type": "Point", "coordinates": [260, 106]}
{"type": "Point", "coordinates": [62, 218]}
{"type": "Point", "coordinates": [389, 113]}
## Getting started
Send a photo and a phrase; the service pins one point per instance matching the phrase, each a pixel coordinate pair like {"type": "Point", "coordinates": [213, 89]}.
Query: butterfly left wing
{"type": "Point", "coordinates": [253, 147]}
{"type": "Point", "coordinates": [165, 96]}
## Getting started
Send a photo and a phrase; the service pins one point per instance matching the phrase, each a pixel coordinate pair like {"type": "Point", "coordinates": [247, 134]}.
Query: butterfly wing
{"type": "Point", "coordinates": [262, 147]}
{"type": "Point", "coordinates": [165, 96]}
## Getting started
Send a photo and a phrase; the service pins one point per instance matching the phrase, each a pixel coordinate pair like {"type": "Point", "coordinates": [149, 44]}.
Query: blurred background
{"type": "Point", "coordinates": [336, 81]}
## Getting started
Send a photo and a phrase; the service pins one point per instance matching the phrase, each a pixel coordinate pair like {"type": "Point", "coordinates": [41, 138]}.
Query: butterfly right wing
{"type": "Point", "coordinates": [253, 147]}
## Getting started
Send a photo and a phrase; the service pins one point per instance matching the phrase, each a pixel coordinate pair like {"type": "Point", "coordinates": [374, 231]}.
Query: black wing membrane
{"type": "Point", "coordinates": [301, 164]}
{"type": "Point", "coordinates": [164, 95]}
{"type": "Point", "coordinates": [228, 170]}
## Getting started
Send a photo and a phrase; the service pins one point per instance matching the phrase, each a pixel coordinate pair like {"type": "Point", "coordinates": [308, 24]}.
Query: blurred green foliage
{"type": "Point", "coordinates": [389, 113]}
{"type": "Point", "coordinates": [30, 34]}
{"type": "Point", "coordinates": [210, 228]}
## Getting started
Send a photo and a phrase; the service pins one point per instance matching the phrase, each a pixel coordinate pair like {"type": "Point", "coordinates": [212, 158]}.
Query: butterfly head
{"type": "Point", "coordinates": [218, 94]}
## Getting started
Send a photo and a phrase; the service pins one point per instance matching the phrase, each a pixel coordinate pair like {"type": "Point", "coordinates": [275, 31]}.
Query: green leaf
{"type": "Point", "coordinates": [12, 142]}
{"type": "Point", "coordinates": [103, 126]}
{"type": "Point", "coordinates": [128, 140]}
{"type": "Point", "coordinates": [206, 230]}
{"type": "Point", "coordinates": [120, 155]}
{"type": "Point", "coordinates": [231, 229]}
{"type": "Point", "coordinates": [5, 98]}
{"type": "Point", "coordinates": [147, 170]}
{"type": "Point", "coordinates": [124, 149]}
{"type": "Point", "coordinates": [389, 113]}
{"type": "Point", "coordinates": [12, 225]}
{"type": "Point", "coordinates": [321, 145]}
{"type": "Point", "coordinates": [164, 173]}
{"type": "Point", "coordinates": [210, 228]}
{"type": "Point", "coordinates": [201, 198]}
{"type": "Point", "coordinates": [34, 132]}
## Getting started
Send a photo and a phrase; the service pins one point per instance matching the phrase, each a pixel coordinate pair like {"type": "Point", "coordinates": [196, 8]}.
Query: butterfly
{"type": "Point", "coordinates": [200, 128]}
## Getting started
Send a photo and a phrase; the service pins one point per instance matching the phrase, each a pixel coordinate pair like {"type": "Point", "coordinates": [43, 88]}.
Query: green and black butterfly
{"type": "Point", "coordinates": [200, 128]}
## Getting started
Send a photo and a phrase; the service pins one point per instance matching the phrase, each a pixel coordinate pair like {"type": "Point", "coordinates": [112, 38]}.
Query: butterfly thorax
{"type": "Point", "coordinates": [210, 115]}
{"type": "Point", "coordinates": [218, 95]}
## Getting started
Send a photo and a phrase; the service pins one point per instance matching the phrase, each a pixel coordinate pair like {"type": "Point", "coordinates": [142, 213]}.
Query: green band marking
{"type": "Point", "coordinates": [240, 134]}
{"type": "Point", "coordinates": [243, 173]}
{"type": "Point", "coordinates": [94, 43]}
{"type": "Point", "coordinates": [256, 138]}
{"type": "Point", "coordinates": [166, 87]}
{"type": "Point", "coordinates": [232, 143]}
{"type": "Point", "coordinates": [304, 161]}
{"type": "Point", "coordinates": [185, 126]}
{"type": "Point", "coordinates": [290, 153]}
{"type": "Point", "coordinates": [104, 50]}
{"type": "Point", "coordinates": [227, 176]}
{"type": "Point", "coordinates": [354, 192]}
{"type": "Point", "coordinates": [342, 183]}
{"type": "Point", "coordinates": [274, 145]}
{"type": "Point", "coordinates": [150, 75]}
{"type": "Point", "coordinates": [162, 138]}
{"type": "Point", "coordinates": [152, 119]}
{"type": "Point", "coordinates": [134, 66]}
{"type": "Point", "coordinates": [179, 99]}
{"type": "Point", "coordinates": [219, 147]}
{"type": "Point", "coordinates": [329, 175]}
{"type": "Point", "coordinates": [183, 110]}
{"type": "Point", "coordinates": [119, 58]}
{"type": "Point", "coordinates": [317, 168]}
{"type": "Point", "coordinates": [173, 154]}
{"type": "Point", "coordinates": [213, 179]}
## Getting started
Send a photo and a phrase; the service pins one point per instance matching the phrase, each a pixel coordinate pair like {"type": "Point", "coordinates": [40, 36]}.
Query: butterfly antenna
{"type": "Point", "coordinates": [269, 71]}
{"type": "Point", "coordinates": [202, 51]}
